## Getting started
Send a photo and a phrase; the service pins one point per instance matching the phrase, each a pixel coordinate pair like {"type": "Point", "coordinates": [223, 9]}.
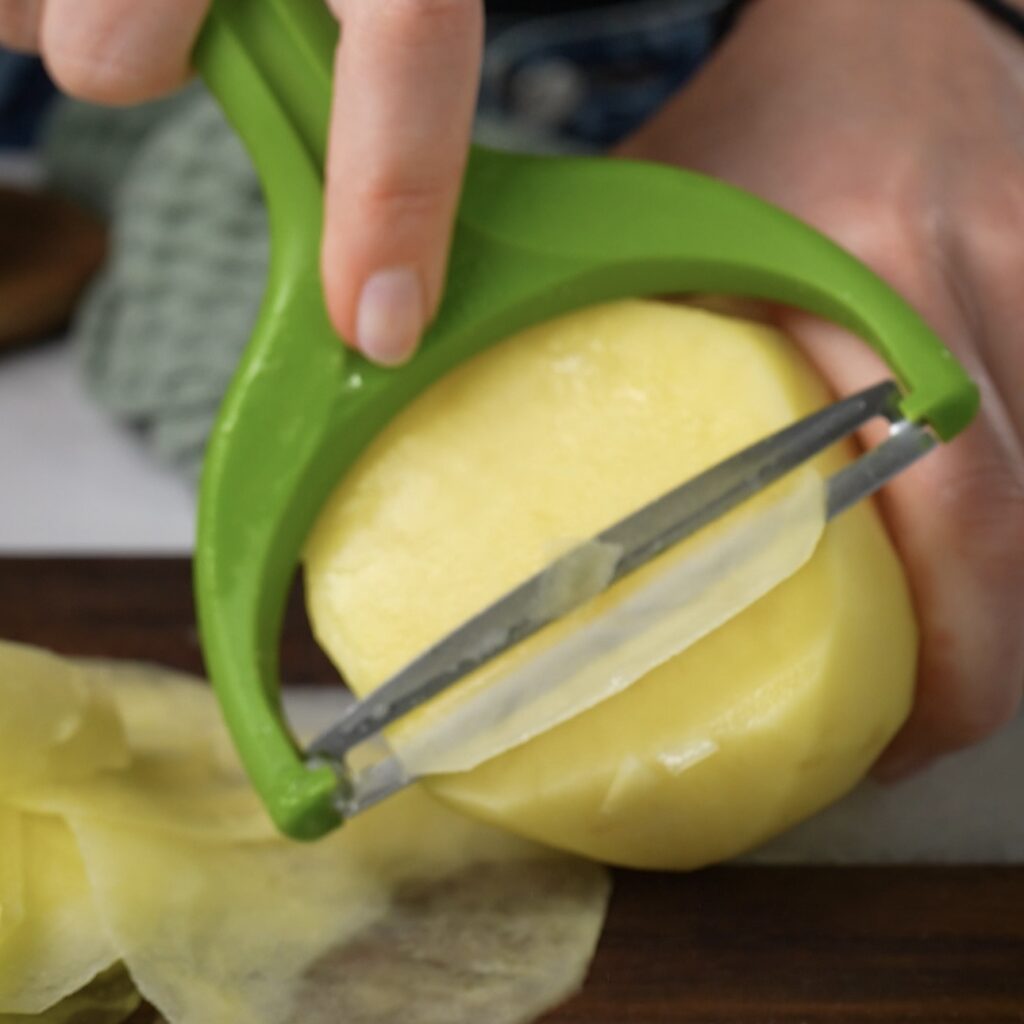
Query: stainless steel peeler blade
{"type": "Point", "coordinates": [587, 570]}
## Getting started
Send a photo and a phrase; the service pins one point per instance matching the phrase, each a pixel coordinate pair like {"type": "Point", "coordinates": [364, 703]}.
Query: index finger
{"type": "Point", "coordinates": [405, 91]}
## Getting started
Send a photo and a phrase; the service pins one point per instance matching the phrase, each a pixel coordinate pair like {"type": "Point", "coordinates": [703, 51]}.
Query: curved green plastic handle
{"type": "Point", "coordinates": [535, 237]}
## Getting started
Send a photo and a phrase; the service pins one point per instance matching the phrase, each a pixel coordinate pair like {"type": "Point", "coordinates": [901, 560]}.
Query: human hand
{"type": "Point", "coordinates": [405, 88]}
{"type": "Point", "coordinates": [898, 129]}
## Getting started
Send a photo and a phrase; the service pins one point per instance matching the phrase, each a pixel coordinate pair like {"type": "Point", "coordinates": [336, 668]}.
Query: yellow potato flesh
{"type": "Point", "coordinates": [12, 880]}
{"type": "Point", "coordinates": [549, 438]}
{"type": "Point", "coordinates": [60, 944]}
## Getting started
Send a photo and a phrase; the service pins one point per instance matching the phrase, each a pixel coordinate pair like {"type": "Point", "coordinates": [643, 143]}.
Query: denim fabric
{"type": "Point", "coordinates": [586, 78]}
{"type": "Point", "coordinates": [578, 78]}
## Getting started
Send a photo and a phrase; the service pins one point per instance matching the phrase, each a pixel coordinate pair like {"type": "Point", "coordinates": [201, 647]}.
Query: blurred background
{"type": "Point", "coordinates": [76, 479]}
{"type": "Point", "coordinates": [133, 248]}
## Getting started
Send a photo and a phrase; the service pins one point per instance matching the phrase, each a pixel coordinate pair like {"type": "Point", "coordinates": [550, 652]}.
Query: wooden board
{"type": "Point", "coordinates": [732, 945]}
{"type": "Point", "coordinates": [49, 250]}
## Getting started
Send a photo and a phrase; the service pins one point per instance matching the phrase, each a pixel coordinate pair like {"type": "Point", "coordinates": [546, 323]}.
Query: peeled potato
{"type": "Point", "coordinates": [12, 871]}
{"type": "Point", "coordinates": [549, 438]}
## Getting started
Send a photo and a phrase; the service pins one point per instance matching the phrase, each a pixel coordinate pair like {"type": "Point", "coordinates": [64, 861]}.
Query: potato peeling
{"type": "Point", "coordinates": [110, 998]}
{"type": "Point", "coordinates": [55, 726]}
{"type": "Point", "coordinates": [60, 943]}
{"type": "Point", "coordinates": [141, 844]}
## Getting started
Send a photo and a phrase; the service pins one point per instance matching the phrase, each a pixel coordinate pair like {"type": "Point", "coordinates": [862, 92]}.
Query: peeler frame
{"type": "Point", "coordinates": [535, 237]}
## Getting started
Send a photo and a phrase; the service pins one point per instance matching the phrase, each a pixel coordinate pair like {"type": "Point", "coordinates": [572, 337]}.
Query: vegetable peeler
{"type": "Point", "coordinates": [535, 237]}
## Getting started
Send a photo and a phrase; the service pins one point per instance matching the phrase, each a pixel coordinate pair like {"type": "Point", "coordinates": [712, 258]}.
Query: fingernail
{"type": "Point", "coordinates": [390, 316]}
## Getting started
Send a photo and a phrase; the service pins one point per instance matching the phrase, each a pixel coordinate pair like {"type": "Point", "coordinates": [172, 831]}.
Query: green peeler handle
{"type": "Point", "coordinates": [535, 237]}
{"type": "Point", "coordinates": [675, 231]}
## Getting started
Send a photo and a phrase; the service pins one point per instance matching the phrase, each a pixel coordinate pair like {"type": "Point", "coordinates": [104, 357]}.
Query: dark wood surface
{"type": "Point", "coordinates": [49, 250]}
{"type": "Point", "coordinates": [729, 945]}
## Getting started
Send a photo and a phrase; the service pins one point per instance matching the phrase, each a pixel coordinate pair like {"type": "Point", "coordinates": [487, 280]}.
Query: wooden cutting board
{"type": "Point", "coordinates": [731, 945]}
{"type": "Point", "coordinates": [49, 249]}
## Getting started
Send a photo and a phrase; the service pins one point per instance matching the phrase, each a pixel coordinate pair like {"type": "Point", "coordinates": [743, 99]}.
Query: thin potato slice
{"type": "Point", "coordinates": [60, 944]}
{"type": "Point", "coordinates": [55, 725]}
{"type": "Point", "coordinates": [184, 775]}
{"type": "Point", "coordinates": [410, 913]}
{"type": "Point", "coordinates": [109, 998]}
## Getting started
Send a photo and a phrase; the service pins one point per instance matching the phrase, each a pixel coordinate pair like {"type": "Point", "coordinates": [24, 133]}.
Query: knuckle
{"type": "Point", "coordinates": [403, 196]}
{"type": "Point", "coordinates": [101, 63]}
{"type": "Point", "coordinates": [882, 235]}
{"type": "Point", "coordinates": [992, 224]}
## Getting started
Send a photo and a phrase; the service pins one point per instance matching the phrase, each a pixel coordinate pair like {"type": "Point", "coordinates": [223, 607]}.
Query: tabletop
{"type": "Point", "coordinates": [728, 945]}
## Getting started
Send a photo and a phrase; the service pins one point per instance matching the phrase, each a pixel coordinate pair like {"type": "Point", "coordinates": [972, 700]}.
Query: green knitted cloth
{"type": "Point", "coordinates": [159, 334]}
{"type": "Point", "coordinates": [161, 331]}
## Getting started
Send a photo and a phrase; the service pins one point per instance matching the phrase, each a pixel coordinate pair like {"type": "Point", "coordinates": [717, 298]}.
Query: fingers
{"type": "Point", "coordinates": [19, 24]}
{"type": "Point", "coordinates": [405, 91]}
{"type": "Point", "coordinates": [853, 122]}
{"type": "Point", "coordinates": [986, 269]}
{"type": "Point", "coordinates": [961, 515]}
{"type": "Point", "coordinates": [119, 51]}
{"type": "Point", "coordinates": [957, 519]}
